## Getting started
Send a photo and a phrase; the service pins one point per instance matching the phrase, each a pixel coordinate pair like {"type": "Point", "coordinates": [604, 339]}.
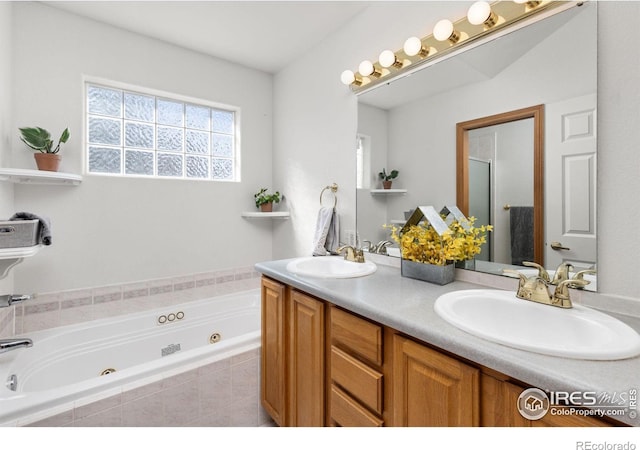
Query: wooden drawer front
{"type": "Point", "coordinates": [361, 381]}
{"type": "Point", "coordinates": [346, 412]}
{"type": "Point", "coordinates": [358, 335]}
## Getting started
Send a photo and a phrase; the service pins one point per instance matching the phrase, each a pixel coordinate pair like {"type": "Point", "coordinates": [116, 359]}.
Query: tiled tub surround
{"type": "Point", "coordinates": [200, 385]}
{"type": "Point", "coordinates": [50, 310]}
{"type": "Point", "coordinates": [223, 393]}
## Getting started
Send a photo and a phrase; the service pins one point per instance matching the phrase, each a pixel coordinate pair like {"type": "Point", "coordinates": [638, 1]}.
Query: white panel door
{"type": "Point", "coordinates": [570, 182]}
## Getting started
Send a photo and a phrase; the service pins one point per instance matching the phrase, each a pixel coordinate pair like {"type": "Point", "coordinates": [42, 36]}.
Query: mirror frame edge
{"type": "Point", "coordinates": [462, 165]}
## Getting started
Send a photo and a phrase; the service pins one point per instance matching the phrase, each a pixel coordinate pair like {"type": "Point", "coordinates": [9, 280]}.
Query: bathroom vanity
{"type": "Point", "coordinates": [371, 351]}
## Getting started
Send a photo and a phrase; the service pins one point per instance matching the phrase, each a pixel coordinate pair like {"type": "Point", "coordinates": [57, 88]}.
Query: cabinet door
{"type": "Point", "coordinates": [431, 389]}
{"type": "Point", "coordinates": [273, 365]}
{"type": "Point", "coordinates": [306, 361]}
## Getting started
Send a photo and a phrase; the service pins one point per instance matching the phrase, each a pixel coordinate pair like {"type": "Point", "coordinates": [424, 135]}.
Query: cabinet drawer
{"type": "Point", "coordinates": [361, 381]}
{"type": "Point", "coordinates": [346, 412]}
{"type": "Point", "coordinates": [358, 335]}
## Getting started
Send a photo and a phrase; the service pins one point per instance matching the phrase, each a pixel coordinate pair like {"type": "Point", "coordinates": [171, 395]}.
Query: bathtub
{"type": "Point", "coordinates": [77, 366]}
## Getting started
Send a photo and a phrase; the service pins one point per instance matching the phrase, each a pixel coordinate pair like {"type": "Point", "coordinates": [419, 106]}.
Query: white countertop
{"type": "Point", "coordinates": [407, 306]}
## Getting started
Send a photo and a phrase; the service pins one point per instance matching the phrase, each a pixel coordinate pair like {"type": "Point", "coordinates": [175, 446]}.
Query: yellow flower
{"type": "Point", "coordinates": [421, 243]}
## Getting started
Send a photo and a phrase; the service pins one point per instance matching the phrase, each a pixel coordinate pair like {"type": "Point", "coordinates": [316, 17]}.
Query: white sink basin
{"type": "Point", "coordinates": [578, 332]}
{"type": "Point", "coordinates": [330, 267]}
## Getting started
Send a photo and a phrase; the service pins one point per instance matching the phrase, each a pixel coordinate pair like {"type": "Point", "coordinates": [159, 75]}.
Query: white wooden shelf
{"type": "Point", "coordinates": [388, 191]}
{"type": "Point", "coordinates": [274, 214]}
{"type": "Point", "coordinates": [9, 257]}
{"type": "Point", "coordinates": [29, 176]}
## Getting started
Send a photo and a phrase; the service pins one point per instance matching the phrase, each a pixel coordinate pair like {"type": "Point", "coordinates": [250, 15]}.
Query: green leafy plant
{"type": "Point", "coordinates": [388, 176]}
{"type": "Point", "coordinates": [262, 197]}
{"type": "Point", "coordinates": [40, 139]}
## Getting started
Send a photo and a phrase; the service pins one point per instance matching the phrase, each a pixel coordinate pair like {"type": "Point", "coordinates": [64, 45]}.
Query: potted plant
{"type": "Point", "coordinates": [265, 201]}
{"type": "Point", "coordinates": [39, 139]}
{"type": "Point", "coordinates": [431, 256]}
{"type": "Point", "coordinates": [387, 177]}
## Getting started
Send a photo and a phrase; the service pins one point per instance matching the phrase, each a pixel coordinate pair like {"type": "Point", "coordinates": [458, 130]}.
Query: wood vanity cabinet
{"type": "Point", "coordinates": [355, 396]}
{"type": "Point", "coordinates": [292, 363]}
{"type": "Point", "coordinates": [431, 388]}
{"type": "Point", "coordinates": [306, 361]}
{"type": "Point", "coordinates": [273, 389]}
{"type": "Point", "coordinates": [323, 365]}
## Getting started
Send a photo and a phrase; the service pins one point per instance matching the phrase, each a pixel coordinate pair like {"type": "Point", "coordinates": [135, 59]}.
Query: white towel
{"type": "Point", "coordinates": [327, 232]}
{"type": "Point", "coordinates": [333, 237]}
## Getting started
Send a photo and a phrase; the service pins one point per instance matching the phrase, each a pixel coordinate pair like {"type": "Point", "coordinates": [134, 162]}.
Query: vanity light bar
{"type": "Point", "coordinates": [483, 19]}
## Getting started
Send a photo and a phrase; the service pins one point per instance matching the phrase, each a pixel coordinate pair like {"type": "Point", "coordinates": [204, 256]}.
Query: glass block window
{"type": "Point", "coordinates": [141, 134]}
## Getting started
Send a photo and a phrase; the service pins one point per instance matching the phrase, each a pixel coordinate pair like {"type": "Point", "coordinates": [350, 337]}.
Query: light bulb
{"type": "Point", "coordinates": [347, 77]}
{"type": "Point", "coordinates": [478, 13]}
{"type": "Point", "coordinates": [412, 46]}
{"type": "Point", "coordinates": [365, 68]}
{"type": "Point", "coordinates": [387, 58]}
{"type": "Point", "coordinates": [443, 30]}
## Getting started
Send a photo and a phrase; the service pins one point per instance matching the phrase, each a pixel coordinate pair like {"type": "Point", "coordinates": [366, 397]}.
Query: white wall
{"type": "Point", "coordinates": [618, 156]}
{"type": "Point", "coordinates": [315, 116]}
{"type": "Point", "coordinates": [6, 189]}
{"type": "Point", "coordinates": [114, 230]}
{"type": "Point", "coordinates": [311, 102]}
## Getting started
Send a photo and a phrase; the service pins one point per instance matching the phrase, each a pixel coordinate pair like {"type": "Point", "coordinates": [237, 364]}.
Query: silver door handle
{"type": "Point", "coordinates": [558, 246]}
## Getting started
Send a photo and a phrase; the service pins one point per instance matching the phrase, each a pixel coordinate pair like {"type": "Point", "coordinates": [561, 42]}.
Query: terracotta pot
{"type": "Point", "coordinates": [387, 184]}
{"type": "Point", "coordinates": [266, 207]}
{"type": "Point", "coordinates": [47, 161]}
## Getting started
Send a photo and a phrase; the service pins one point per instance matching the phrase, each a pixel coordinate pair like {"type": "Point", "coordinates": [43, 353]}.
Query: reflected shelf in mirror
{"type": "Point", "coordinates": [388, 191]}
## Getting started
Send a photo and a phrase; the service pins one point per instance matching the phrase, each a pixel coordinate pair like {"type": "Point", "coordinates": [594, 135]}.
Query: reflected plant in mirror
{"type": "Point", "coordinates": [387, 178]}
{"type": "Point", "coordinates": [418, 114]}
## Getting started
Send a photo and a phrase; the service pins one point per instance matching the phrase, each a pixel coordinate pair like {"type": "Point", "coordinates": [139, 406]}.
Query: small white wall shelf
{"type": "Point", "coordinates": [28, 176]}
{"type": "Point", "coordinates": [274, 214]}
{"type": "Point", "coordinates": [9, 257]}
{"type": "Point", "coordinates": [388, 191]}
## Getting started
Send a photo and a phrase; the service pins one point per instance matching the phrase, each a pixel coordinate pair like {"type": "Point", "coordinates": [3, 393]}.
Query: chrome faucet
{"type": "Point", "coordinates": [7, 345]}
{"type": "Point", "coordinates": [9, 299]}
{"type": "Point", "coordinates": [352, 254]}
{"type": "Point", "coordinates": [381, 247]}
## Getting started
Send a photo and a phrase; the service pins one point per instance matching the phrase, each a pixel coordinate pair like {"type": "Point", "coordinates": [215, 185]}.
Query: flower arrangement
{"type": "Point", "coordinates": [421, 243]}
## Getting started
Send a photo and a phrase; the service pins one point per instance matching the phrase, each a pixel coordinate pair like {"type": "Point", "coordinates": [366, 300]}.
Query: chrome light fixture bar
{"type": "Point", "coordinates": [484, 20]}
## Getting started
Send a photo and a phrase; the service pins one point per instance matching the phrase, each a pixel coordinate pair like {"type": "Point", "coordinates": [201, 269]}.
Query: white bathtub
{"type": "Point", "coordinates": [63, 367]}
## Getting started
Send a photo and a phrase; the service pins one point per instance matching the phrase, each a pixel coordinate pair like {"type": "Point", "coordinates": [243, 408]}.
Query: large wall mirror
{"type": "Point", "coordinates": [521, 111]}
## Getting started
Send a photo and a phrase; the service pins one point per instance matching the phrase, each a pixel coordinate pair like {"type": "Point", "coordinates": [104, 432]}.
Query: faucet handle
{"type": "Point", "coordinates": [542, 272]}
{"type": "Point", "coordinates": [561, 295]}
{"type": "Point", "coordinates": [580, 275]}
{"type": "Point", "coordinates": [562, 273]}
